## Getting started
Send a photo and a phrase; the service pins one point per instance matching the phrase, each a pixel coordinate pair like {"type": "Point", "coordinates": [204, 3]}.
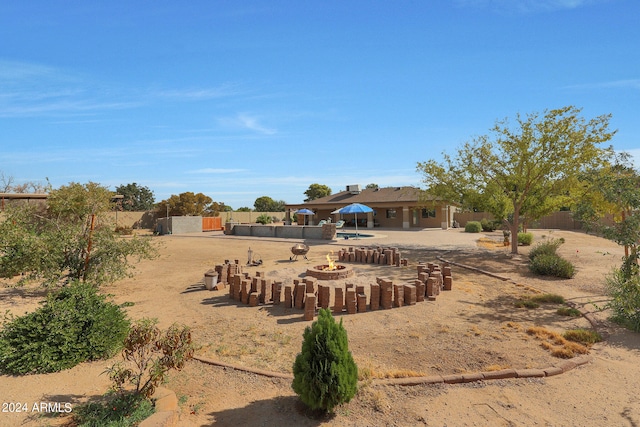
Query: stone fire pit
{"type": "Point", "coordinates": [322, 272]}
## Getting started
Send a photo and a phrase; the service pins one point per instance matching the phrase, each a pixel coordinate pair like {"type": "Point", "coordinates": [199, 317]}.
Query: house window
{"type": "Point", "coordinates": [391, 213]}
{"type": "Point", "coordinates": [428, 213]}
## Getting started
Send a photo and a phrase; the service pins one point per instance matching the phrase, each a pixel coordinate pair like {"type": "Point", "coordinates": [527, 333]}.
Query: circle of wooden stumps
{"type": "Point", "coordinates": [309, 294]}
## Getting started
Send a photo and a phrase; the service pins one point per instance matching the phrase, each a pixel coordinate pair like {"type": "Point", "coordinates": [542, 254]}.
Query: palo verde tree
{"type": "Point", "coordinates": [523, 171]}
{"type": "Point", "coordinates": [614, 190]}
{"type": "Point", "coordinates": [68, 239]}
{"type": "Point", "coordinates": [609, 203]}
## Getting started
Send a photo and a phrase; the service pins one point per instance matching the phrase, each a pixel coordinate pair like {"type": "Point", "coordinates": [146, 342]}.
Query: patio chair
{"type": "Point", "coordinates": [340, 224]}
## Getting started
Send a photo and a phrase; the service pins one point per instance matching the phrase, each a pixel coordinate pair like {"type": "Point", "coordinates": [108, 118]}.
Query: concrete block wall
{"type": "Point", "coordinates": [314, 232]}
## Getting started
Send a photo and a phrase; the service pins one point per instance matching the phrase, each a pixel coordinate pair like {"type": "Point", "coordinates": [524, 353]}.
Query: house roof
{"type": "Point", "coordinates": [370, 196]}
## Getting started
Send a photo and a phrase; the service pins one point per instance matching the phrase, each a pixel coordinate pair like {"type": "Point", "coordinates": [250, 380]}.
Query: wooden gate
{"type": "Point", "coordinates": [212, 223]}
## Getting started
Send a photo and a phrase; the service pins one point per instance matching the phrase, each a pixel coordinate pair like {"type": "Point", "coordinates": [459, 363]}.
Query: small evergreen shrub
{"type": "Point", "coordinates": [552, 265]}
{"type": "Point", "coordinates": [75, 324]}
{"type": "Point", "coordinates": [525, 239]}
{"type": "Point", "coordinates": [473, 227]}
{"type": "Point", "coordinates": [325, 374]}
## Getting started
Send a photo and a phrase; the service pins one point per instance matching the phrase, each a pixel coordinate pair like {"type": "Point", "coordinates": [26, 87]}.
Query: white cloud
{"type": "Point", "coordinates": [252, 123]}
{"type": "Point", "coordinates": [225, 90]}
{"type": "Point", "coordinates": [247, 122]}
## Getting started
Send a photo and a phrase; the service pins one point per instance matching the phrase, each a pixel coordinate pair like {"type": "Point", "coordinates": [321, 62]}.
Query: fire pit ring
{"type": "Point", "coordinates": [322, 272]}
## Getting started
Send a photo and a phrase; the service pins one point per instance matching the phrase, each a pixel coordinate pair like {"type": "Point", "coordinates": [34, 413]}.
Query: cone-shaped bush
{"type": "Point", "coordinates": [325, 374]}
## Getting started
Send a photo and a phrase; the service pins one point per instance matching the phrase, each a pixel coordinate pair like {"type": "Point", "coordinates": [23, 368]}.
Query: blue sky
{"type": "Point", "coordinates": [239, 100]}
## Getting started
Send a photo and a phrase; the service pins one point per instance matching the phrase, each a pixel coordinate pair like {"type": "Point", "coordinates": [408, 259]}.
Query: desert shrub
{"type": "Point", "coordinates": [264, 219]}
{"type": "Point", "coordinates": [488, 225]}
{"type": "Point", "coordinates": [569, 311]}
{"type": "Point", "coordinates": [548, 299]}
{"type": "Point", "coordinates": [534, 301]}
{"type": "Point", "coordinates": [75, 324]}
{"type": "Point", "coordinates": [325, 374]}
{"type": "Point", "coordinates": [525, 239]}
{"type": "Point", "coordinates": [526, 303]}
{"type": "Point", "coordinates": [117, 410]}
{"type": "Point", "coordinates": [583, 336]}
{"type": "Point", "coordinates": [473, 227]}
{"type": "Point", "coordinates": [552, 265]}
{"type": "Point", "coordinates": [548, 247]}
{"type": "Point", "coordinates": [148, 356]}
{"type": "Point", "coordinates": [624, 291]}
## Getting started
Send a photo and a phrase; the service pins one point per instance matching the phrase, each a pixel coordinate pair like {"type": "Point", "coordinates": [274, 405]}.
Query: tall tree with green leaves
{"type": "Point", "coordinates": [267, 204]}
{"type": "Point", "coordinates": [523, 171]}
{"type": "Point", "coordinates": [317, 191]}
{"type": "Point", "coordinates": [68, 239]}
{"type": "Point", "coordinates": [610, 204]}
{"type": "Point", "coordinates": [136, 197]}
{"type": "Point", "coordinates": [187, 204]}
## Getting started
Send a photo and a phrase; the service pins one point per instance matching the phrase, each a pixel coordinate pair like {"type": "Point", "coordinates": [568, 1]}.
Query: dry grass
{"type": "Point", "coordinates": [492, 368]}
{"type": "Point", "coordinates": [374, 398]}
{"type": "Point", "coordinates": [558, 345]}
{"type": "Point", "coordinates": [486, 242]}
{"type": "Point", "coordinates": [367, 371]}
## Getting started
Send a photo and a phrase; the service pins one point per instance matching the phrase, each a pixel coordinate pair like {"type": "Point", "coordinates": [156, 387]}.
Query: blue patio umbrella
{"type": "Point", "coordinates": [305, 212]}
{"type": "Point", "coordinates": [355, 208]}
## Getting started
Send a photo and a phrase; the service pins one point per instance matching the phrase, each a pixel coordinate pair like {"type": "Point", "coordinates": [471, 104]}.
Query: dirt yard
{"type": "Point", "coordinates": [476, 327]}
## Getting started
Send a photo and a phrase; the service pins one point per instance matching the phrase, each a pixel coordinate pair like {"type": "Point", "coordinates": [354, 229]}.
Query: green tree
{"type": "Point", "coordinates": [324, 372]}
{"type": "Point", "coordinates": [610, 205]}
{"type": "Point", "coordinates": [525, 171]}
{"type": "Point", "coordinates": [188, 204]}
{"type": "Point", "coordinates": [69, 239]}
{"type": "Point", "coordinates": [316, 191]}
{"type": "Point", "coordinates": [613, 190]}
{"type": "Point", "coordinates": [136, 197]}
{"type": "Point", "coordinates": [372, 186]}
{"type": "Point", "coordinates": [215, 208]}
{"type": "Point", "coordinates": [244, 209]}
{"type": "Point", "coordinates": [267, 204]}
